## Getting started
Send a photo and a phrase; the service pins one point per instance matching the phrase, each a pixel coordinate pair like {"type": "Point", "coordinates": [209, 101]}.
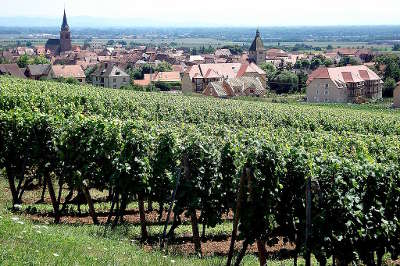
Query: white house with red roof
{"type": "Point", "coordinates": [343, 84]}
{"type": "Point", "coordinates": [197, 77]}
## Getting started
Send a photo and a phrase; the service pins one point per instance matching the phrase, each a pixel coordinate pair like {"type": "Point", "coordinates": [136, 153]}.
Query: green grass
{"type": "Point", "coordinates": [23, 242]}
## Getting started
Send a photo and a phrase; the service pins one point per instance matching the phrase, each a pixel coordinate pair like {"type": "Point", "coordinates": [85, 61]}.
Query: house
{"type": "Point", "coordinates": [242, 86]}
{"type": "Point", "coordinates": [67, 71]}
{"type": "Point", "coordinates": [12, 70]}
{"type": "Point", "coordinates": [226, 53]}
{"type": "Point", "coordinates": [111, 76]}
{"type": "Point", "coordinates": [196, 59]}
{"type": "Point", "coordinates": [6, 56]}
{"type": "Point", "coordinates": [343, 84]}
{"type": "Point", "coordinates": [257, 52]}
{"type": "Point", "coordinates": [396, 96]}
{"type": "Point", "coordinates": [197, 77]}
{"type": "Point", "coordinates": [173, 78]}
{"type": "Point", "coordinates": [37, 71]}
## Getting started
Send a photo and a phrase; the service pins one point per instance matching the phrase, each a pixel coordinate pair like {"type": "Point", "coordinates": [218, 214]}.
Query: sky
{"type": "Point", "coordinates": [215, 12]}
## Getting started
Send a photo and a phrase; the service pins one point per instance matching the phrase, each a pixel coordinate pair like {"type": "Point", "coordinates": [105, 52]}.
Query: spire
{"type": "Point", "coordinates": [64, 26]}
{"type": "Point", "coordinates": [257, 44]}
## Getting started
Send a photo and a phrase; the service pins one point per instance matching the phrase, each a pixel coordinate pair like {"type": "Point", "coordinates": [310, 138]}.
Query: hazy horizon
{"type": "Point", "coordinates": [179, 13]}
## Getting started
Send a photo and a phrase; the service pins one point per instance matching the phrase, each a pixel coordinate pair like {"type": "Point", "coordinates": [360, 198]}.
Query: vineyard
{"type": "Point", "coordinates": [324, 179]}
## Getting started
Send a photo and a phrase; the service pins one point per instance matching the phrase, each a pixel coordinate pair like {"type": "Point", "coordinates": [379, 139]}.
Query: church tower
{"type": "Point", "coordinates": [65, 36]}
{"type": "Point", "coordinates": [257, 51]}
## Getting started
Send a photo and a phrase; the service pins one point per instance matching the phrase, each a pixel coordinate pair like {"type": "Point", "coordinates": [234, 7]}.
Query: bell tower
{"type": "Point", "coordinates": [65, 36]}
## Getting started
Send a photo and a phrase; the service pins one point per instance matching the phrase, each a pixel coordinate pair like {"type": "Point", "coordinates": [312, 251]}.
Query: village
{"type": "Point", "coordinates": [337, 75]}
{"type": "Point", "coordinates": [212, 133]}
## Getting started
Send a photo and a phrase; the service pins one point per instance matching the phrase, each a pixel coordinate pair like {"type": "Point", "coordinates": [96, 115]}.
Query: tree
{"type": "Point", "coordinates": [136, 73]}
{"type": "Point", "coordinates": [392, 71]}
{"type": "Point", "coordinates": [29, 44]}
{"type": "Point", "coordinates": [316, 62]}
{"type": "Point", "coordinates": [122, 42]}
{"type": "Point", "coordinates": [110, 42]}
{"type": "Point", "coordinates": [396, 47]}
{"type": "Point", "coordinates": [88, 73]}
{"type": "Point", "coordinates": [38, 60]}
{"type": "Point", "coordinates": [269, 69]}
{"type": "Point", "coordinates": [303, 77]}
{"type": "Point", "coordinates": [24, 60]}
{"type": "Point", "coordinates": [347, 60]}
{"type": "Point", "coordinates": [69, 80]}
{"type": "Point", "coordinates": [329, 47]}
{"type": "Point", "coordinates": [163, 67]}
{"type": "Point", "coordinates": [388, 87]}
{"type": "Point", "coordinates": [147, 69]}
{"type": "Point", "coordinates": [285, 82]}
{"type": "Point", "coordinates": [235, 49]}
{"type": "Point", "coordinates": [328, 62]}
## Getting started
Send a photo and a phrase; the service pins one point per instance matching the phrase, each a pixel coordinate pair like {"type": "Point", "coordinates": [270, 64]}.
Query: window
{"type": "Point", "coordinates": [124, 79]}
{"type": "Point", "coordinates": [326, 86]}
{"type": "Point", "coordinates": [317, 92]}
{"type": "Point", "coordinates": [114, 86]}
{"type": "Point", "coordinates": [114, 80]}
{"type": "Point", "coordinates": [326, 92]}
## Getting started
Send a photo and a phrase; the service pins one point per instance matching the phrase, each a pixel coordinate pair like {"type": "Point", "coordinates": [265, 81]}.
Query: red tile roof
{"type": "Point", "coordinates": [347, 77]}
{"type": "Point", "coordinates": [67, 71]}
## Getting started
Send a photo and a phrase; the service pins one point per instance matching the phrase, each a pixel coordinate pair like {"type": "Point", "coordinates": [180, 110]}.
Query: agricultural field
{"type": "Point", "coordinates": [103, 176]}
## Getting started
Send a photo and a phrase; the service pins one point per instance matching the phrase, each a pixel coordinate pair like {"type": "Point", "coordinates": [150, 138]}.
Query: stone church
{"type": "Point", "coordinates": [58, 46]}
{"type": "Point", "coordinates": [257, 52]}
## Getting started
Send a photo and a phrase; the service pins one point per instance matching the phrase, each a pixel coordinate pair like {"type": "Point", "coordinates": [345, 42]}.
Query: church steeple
{"type": "Point", "coordinates": [65, 36]}
{"type": "Point", "coordinates": [257, 52]}
{"type": "Point", "coordinates": [64, 26]}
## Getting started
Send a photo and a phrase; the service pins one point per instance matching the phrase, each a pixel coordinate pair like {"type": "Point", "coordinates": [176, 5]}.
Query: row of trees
{"type": "Point", "coordinates": [25, 60]}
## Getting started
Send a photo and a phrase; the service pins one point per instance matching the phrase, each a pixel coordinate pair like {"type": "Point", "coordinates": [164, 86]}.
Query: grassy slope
{"type": "Point", "coordinates": [24, 242]}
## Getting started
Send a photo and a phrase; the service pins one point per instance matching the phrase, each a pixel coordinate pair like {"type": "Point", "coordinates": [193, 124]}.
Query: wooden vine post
{"type": "Point", "coordinates": [164, 235]}
{"type": "Point", "coordinates": [192, 211]}
{"type": "Point", "coordinates": [308, 222]}
{"type": "Point", "coordinates": [262, 253]}
{"type": "Point", "coordinates": [241, 198]}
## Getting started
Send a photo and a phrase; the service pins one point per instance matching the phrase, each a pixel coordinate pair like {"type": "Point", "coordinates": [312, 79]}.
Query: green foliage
{"type": "Point", "coordinates": [163, 67]}
{"type": "Point", "coordinates": [347, 60]}
{"type": "Point", "coordinates": [235, 49]}
{"type": "Point", "coordinates": [111, 42]}
{"type": "Point", "coordinates": [138, 143]}
{"type": "Point", "coordinates": [207, 50]}
{"type": "Point", "coordinates": [316, 62]}
{"type": "Point", "coordinates": [69, 80]}
{"type": "Point", "coordinates": [38, 60]}
{"type": "Point", "coordinates": [25, 60]}
{"type": "Point", "coordinates": [303, 64]}
{"type": "Point", "coordinates": [285, 82]}
{"type": "Point", "coordinates": [388, 87]}
{"type": "Point", "coordinates": [167, 86]}
{"type": "Point", "coordinates": [270, 69]}
{"type": "Point", "coordinates": [88, 73]}
{"type": "Point", "coordinates": [122, 42]}
{"type": "Point", "coordinates": [396, 47]}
